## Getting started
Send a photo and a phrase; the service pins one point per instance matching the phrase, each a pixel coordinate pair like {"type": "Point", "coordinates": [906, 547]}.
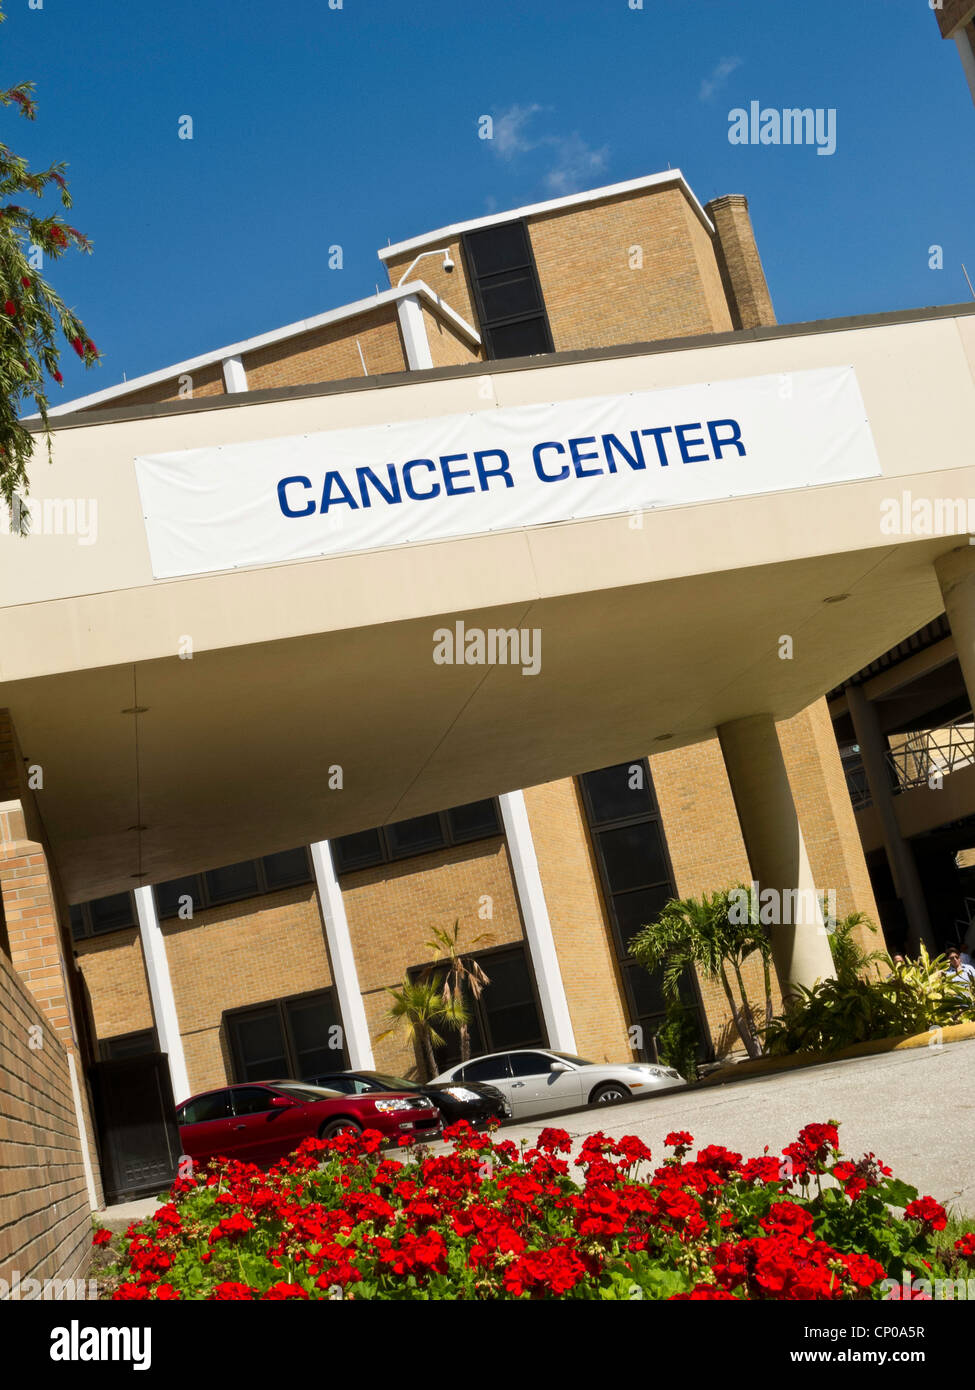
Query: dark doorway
{"type": "Point", "coordinates": [137, 1127]}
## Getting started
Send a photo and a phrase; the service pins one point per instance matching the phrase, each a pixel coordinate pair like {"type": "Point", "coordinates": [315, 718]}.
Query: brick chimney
{"type": "Point", "coordinates": [739, 262]}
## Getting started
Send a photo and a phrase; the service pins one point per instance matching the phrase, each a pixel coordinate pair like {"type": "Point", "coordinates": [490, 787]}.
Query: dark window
{"type": "Point", "coordinates": [251, 1100]}
{"type": "Point", "coordinates": [508, 296]}
{"type": "Point", "coordinates": [168, 895]}
{"type": "Point", "coordinates": [287, 868]}
{"type": "Point", "coordinates": [297, 1037]}
{"type": "Point", "coordinates": [487, 1069]}
{"type": "Point", "coordinates": [127, 1045]}
{"type": "Point", "coordinates": [529, 1063]}
{"type": "Point", "coordinates": [232, 882]}
{"type": "Point", "coordinates": [415, 836]}
{"type": "Point", "coordinates": [634, 868]}
{"type": "Point", "coordinates": [215, 1106]}
{"type": "Point", "coordinates": [103, 915]}
{"type": "Point", "coordinates": [476, 821]}
{"type": "Point", "coordinates": [505, 1015]}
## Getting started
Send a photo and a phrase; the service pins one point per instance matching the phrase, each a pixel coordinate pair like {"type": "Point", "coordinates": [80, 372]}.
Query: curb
{"type": "Point", "coordinates": [763, 1066]}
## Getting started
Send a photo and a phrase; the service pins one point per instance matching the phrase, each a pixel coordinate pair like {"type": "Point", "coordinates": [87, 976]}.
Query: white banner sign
{"type": "Point", "coordinates": [338, 491]}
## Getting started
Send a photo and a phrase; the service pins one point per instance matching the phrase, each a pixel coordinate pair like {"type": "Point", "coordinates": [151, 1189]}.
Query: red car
{"type": "Point", "coordinates": [262, 1121]}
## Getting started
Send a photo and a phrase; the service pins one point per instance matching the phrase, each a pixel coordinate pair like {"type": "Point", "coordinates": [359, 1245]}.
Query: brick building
{"type": "Point", "coordinates": [956, 20]}
{"type": "Point", "coordinates": [243, 927]}
{"type": "Point", "coordinates": [637, 261]}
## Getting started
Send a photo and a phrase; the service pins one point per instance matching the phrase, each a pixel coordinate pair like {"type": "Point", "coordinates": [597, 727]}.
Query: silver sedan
{"type": "Point", "coordinates": [536, 1080]}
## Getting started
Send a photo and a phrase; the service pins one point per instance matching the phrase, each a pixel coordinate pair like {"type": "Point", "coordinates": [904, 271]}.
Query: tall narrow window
{"type": "Point", "coordinates": [628, 836]}
{"type": "Point", "coordinates": [510, 308]}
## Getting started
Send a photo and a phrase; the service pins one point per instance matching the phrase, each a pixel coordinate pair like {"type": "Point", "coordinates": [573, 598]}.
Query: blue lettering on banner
{"type": "Point", "coordinates": [419, 478]}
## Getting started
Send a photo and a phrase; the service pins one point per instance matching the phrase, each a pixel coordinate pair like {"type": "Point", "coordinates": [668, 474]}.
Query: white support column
{"type": "Point", "coordinates": [344, 973]}
{"type": "Point", "coordinates": [234, 376]}
{"type": "Point", "coordinates": [538, 927]}
{"type": "Point", "coordinates": [414, 330]}
{"type": "Point", "coordinates": [161, 991]}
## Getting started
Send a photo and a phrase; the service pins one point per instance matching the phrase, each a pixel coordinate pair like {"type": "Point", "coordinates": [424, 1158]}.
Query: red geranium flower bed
{"type": "Point", "coordinates": [341, 1219]}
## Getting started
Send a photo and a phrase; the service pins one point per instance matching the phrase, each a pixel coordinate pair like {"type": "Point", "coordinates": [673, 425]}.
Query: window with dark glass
{"type": "Point", "coordinates": [507, 293]}
{"type": "Point", "coordinates": [506, 1014]}
{"type": "Point", "coordinates": [487, 1069]}
{"type": "Point", "coordinates": [233, 882]}
{"type": "Point", "coordinates": [215, 1106]}
{"type": "Point", "coordinates": [102, 915]}
{"type": "Point", "coordinates": [627, 834]}
{"type": "Point", "coordinates": [251, 1100]}
{"type": "Point", "coordinates": [297, 1038]}
{"type": "Point", "coordinates": [127, 1045]}
{"type": "Point", "coordinates": [477, 820]}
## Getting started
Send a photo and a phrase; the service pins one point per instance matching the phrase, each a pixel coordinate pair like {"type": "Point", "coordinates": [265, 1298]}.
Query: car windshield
{"type": "Point", "coordinates": [576, 1061]}
{"type": "Point", "coordinates": [393, 1083]}
{"type": "Point", "coordinates": [300, 1091]}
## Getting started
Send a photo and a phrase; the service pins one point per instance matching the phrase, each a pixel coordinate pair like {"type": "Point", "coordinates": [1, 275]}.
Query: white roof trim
{"type": "Point", "coordinates": [418, 288]}
{"type": "Point", "coordinates": [592, 195]}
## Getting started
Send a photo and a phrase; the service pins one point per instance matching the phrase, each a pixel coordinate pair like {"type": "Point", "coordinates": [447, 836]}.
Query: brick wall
{"type": "Point", "coordinates": [447, 347]}
{"type": "Point", "coordinates": [115, 973]}
{"type": "Point", "coordinates": [330, 353]}
{"type": "Point", "coordinates": [393, 908]}
{"type": "Point", "coordinates": [45, 1219]}
{"type": "Point", "coordinates": [204, 381]}
{"type": "Point", "coordinates": [593, 296]}
{"type": "Point", "coordinates": [740, 264]}
{"type": "Point", "coordinates": [580, 926]}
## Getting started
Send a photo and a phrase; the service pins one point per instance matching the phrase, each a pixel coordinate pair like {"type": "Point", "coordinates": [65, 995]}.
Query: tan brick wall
{"type": "Point", "coordinates": [707, 853]}
{"type": "Point", "coordinates": [393, 908]}
{"type": "Point", "coordinates": [244, 953]}
{"type": "Point", "coordinates": [204, 381]}
{"type": "Point", "coordinates": [452, 287]}
{"type": "Point", "coordinates": [580, 926]}
{"type": "Point", "coordinates": [330, 353]}
{"type": "Point", "coordinates": [592, 296]}
{"type": "Point", "coordinates": [114, 971]}
{"type": "Point", "coordinates": [447, 347]}
{"type": "Point", "coordinates": [45, 1220]}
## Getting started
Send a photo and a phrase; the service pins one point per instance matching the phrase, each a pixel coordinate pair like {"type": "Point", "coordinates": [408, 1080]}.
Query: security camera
{"type": "Point", "coordinates": [448, 264]}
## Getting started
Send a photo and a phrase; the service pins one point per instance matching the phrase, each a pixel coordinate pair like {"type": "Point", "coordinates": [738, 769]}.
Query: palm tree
{"type": "Point", "coordinates": [849, 957]}
{"type": "Point", "coordinates": [420, 1008]}
{"type": "Point", "coordinates": [464, 976]}
{"type": "Point", "coordinates": [691, 931]}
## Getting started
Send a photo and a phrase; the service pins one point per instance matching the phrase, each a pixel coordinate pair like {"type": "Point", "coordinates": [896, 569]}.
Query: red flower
{"type": "Point", "coordinates": [10, 307]}
{"type": "Point", "coordinates": [927, 1211]}
{"type": "Point", "coordinates": [167, 1292]}
{"type": "Point", "coordinates": [283, 1289]}
{"type": "Point", "coordinates": [25, 282]}
{"type": "Point", "coordinates": [58, 377]}
{"type": "Point", "coordinates": [231, 1227]}
{"type": "Point", "coordinates": [679, 1139]}
{"type": "Point", "coordinates": [966, 1245]}
{"type": "Point", "coordinates": [863, 1270]}
{"type": "Point", "coordinates": [541, 1272]}
{"type": "Point", "coordinates": [554, 1141]}
{"type": "Point", "coordinates": [130, 1292]}
{"type": "Point", "coordinates": [101, 1237]}
{"type": "Point", "coordinates": [78, 346]}
{"type": "Point", "coordinates": [226, 1293]}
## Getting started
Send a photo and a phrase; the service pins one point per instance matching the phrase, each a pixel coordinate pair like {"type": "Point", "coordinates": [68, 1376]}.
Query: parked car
{"type": "Point", "coordinates": [262, 1121]}
{"type": "Point", "coordinates": [536, 1080]}
{"type": "Point", "coordinates": [470, 1100]}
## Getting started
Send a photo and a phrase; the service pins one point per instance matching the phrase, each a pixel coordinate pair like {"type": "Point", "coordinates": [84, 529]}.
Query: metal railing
{"type": "Point", "coordinates": [923, 759]}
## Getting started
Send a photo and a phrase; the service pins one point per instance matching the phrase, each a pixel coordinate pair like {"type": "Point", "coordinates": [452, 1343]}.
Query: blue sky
{"type": "Point", "coordinates": [315, 126]}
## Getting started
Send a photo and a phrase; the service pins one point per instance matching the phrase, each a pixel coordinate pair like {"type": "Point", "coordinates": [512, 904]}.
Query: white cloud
{"type": "Point", "coordinates": [575, 163]}
{"type": "Point", "coordinates": [718, 77]}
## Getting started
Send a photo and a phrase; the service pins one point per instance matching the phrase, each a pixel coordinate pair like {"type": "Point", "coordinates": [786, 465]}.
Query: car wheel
{"type": "Point", "coordinates": [613, 1090]}
{"type": "Point", "coordinates": [340, 1126]}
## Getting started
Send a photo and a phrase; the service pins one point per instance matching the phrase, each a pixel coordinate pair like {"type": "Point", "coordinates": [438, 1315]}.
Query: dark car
{"type": "Point", "coordinates": [262, 1121]}
{"type": "Point", "coordinates": [456, 1100]}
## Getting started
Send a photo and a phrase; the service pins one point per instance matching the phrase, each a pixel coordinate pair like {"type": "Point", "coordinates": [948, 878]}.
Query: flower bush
{"type": "Point", "coordinates": [490, 1220]}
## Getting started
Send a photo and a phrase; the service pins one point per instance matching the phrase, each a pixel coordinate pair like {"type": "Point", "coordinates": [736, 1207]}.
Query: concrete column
{"type": "Point", "coordinates": [900, 856]}
{"type": "Point", "coordinates": [161, 991]}
{"type": "Point", "coordinates": [414, 331]}
{"type": "Point", "coordinates": [538, 927]}
{"type": "Point", "coordinates": [344, 973]}
{"type": "Point", "coordinates": [964, 41]}
{"type": "Point", "coordinates": [775, 848]}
